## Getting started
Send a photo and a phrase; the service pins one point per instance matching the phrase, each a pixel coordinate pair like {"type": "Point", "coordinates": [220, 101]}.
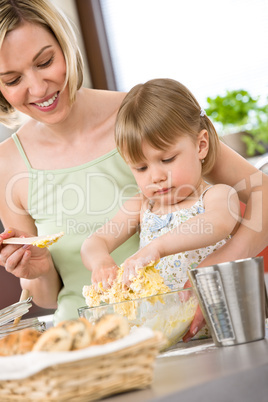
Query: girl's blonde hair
{"type": "Point", "coordinates": [159, 112]}
{"type": "Point", "coordinates": [14, 13]}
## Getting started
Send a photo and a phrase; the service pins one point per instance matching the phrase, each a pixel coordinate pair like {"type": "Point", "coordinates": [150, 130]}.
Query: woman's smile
{"type": "Point", "coordinates": [49, 103]}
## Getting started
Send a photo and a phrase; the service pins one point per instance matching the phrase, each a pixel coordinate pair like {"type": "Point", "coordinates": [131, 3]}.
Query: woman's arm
{"type": "Point", "coordinates": [33, 265]}
{"type": "Point", "coordinates": [252, 235]}
{"type": "Point", "coordinates": [252, 188]}
{"type": "Point", "coordinates": [46, 287]}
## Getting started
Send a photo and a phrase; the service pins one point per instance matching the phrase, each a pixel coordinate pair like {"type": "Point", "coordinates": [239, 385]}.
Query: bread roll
{"type": "Point", "coordinates": [81, 331]}
{"type": "Point", "coordinates": [55, 339]}
{"type": "Point", "coordinates": [28, 338]}
{"type": "Point", "coordinates": [67, 335]}
{"type": "Point", "coordinates": [110, 327]}
{"type": "Point", "coordinates": [19, 342]}
{"type": "Point", "coordinates": [9, 344]}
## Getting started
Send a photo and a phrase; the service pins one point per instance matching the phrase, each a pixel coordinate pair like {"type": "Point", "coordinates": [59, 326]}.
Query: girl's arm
{"type": "Point", "coordinates": [96, 249]}
{"type": "Point", "coordinates": [222, 213]}
{"type": "Point", "coordinates": [220, 219]}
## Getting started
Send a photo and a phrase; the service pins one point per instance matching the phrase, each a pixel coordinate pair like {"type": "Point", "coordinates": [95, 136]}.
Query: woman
{"type": "Point", "coordinates": [61, 171]}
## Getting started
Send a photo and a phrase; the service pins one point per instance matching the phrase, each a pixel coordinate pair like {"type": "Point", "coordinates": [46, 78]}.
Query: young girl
{"type": "Point", "coordinates": [169, 144]}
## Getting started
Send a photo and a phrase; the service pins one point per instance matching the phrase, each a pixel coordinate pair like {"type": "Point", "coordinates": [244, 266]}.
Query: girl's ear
{"type": "Point", "coordinates": [203, 144]}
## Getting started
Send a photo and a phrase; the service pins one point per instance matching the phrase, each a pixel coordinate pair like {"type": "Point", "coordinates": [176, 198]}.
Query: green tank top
{"type": "Point", "coordinates": [78, 201]}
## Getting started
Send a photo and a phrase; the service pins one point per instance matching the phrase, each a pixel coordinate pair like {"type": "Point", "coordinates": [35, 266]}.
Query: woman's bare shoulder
{"type": "Point", "coordinates": [6, 148]}
{"type": "Point", "coordinates": [108, 94]}
{"type": "Point", "coordinates": [105, 99]}
{"type": "Point", "coordinates": [101, 107]}
{"type": "Point", "coordinates": [9, 158]}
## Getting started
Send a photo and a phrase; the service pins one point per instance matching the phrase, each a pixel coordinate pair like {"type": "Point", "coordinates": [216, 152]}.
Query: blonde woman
{"type": "Point", "coordinates": [61, 171]}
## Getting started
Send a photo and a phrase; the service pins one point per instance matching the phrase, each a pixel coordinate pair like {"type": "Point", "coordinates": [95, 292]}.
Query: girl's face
{"type": "Point", "coordinates": [168, 177]}
{"type": "Point", "coordinates": [32, 74]}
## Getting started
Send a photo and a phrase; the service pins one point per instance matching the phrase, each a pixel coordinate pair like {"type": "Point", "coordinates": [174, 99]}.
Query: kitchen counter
{"type": "Point", "coordinates": [201, 371]}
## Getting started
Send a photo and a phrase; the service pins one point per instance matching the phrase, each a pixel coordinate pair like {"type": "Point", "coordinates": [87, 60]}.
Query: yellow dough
{"type": "Point", "coordinates": [148, 282]}
{"type": "Point", "coordinates": [48, 240]}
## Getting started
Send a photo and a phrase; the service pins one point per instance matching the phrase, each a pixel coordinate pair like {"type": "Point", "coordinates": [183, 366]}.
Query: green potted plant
{"type": "Point", "coordinates": [241, 121]}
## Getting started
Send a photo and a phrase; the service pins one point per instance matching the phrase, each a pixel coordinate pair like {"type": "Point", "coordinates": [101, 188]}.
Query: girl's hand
{"type": "Point", "coordinates": [106, 274]}
{"type": "Point", "coordinates": [23, 261]}
{"type": "Point", "coordinates": [139, 260]}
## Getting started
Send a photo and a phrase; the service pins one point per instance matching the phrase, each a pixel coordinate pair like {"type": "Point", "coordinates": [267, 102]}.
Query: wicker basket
{"type": "Point", "coordinates": [88, 379]}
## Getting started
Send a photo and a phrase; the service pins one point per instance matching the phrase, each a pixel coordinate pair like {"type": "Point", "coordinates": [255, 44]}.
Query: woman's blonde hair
{"type": "Point", "coordinates": [14, 13]}
{"type": "Point", "coordinates": [159, 112]}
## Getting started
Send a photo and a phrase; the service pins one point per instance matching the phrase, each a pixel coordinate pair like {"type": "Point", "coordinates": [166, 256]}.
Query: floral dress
{"type": "Point", "coordinates": [174, 268]}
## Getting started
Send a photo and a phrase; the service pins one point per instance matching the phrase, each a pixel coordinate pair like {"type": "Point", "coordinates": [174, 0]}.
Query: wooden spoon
{"type": "Point", "coordinates": [39, 241]}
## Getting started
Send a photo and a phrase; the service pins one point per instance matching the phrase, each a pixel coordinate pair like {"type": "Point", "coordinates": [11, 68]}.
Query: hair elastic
{"type": "Point", "coordinates": [202, 112]}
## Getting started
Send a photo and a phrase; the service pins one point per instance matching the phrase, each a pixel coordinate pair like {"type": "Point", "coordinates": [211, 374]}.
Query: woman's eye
{"type": "Point", "coordinates": [13, 82]}
{"type": "Point", "coordinates": [41, 65]}
{"type": "Point", "coordinates": [46, 63]}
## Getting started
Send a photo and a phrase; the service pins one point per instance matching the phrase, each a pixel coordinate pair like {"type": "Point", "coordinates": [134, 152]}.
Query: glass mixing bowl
{"type": "Point", "coordinates": [171, 313]}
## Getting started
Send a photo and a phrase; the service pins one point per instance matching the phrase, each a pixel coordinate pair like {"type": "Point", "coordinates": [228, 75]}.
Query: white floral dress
{"type": "Point", "coordinates": [174, 268]}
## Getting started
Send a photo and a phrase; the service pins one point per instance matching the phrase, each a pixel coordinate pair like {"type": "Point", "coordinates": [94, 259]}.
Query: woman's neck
{"type": "Point", "coordinates": [71, 140]}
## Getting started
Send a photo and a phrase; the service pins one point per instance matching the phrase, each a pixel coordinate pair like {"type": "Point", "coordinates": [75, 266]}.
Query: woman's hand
{"type": "Point", "coordinates": [140, 259]}
{"type": "Point", "coordinates": [198, 321]}
{"type": "Point", "coordinates": [23, 261]}
{"type": "Point", "coordinates": [197, 324]}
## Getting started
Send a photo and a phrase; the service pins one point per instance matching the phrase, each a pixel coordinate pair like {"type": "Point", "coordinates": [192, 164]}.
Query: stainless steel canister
{"type": "Point", "coordinates": [232, 299]}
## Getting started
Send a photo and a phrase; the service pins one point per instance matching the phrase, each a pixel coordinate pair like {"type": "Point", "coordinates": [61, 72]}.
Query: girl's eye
{"type": "Point", "coordinates": [169, 159]}
{"type": "Point", "coordinates": [141, 169]}
{"type": "Point", "coordinates": [46, 63]}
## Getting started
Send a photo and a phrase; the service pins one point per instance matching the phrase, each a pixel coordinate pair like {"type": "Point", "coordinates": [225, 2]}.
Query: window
{"type": "Point", "coordinates": [209, 46]}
